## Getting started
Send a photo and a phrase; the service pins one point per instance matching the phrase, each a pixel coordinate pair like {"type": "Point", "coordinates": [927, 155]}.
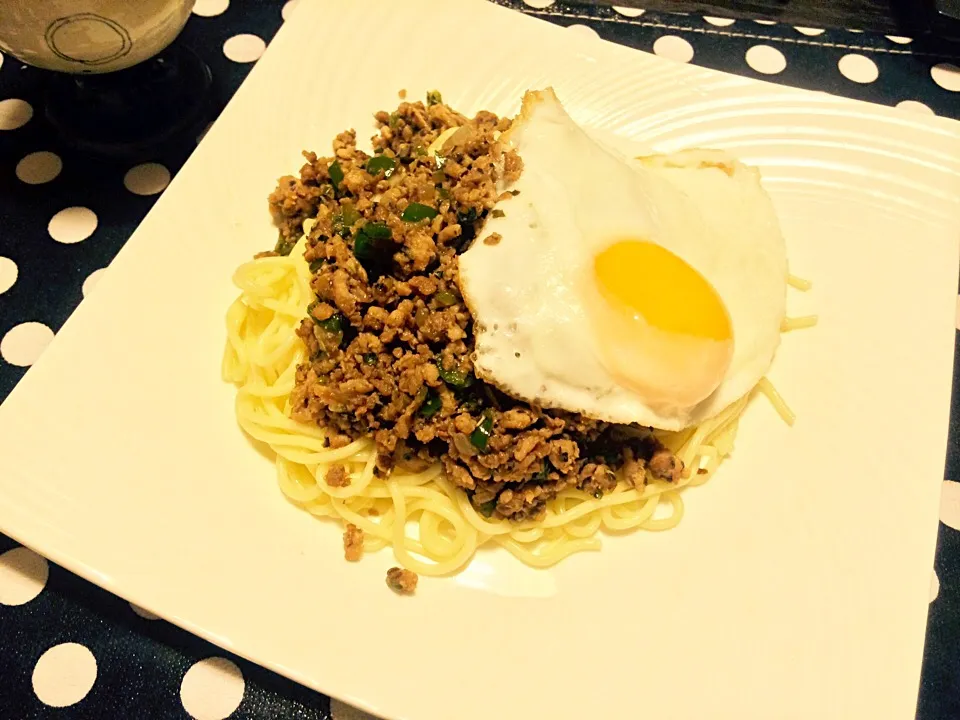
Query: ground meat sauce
{"type": "Point", "coordinates": [402, 581]}
{"type": "Point", "coordinates": [389, 337]}
{"type": "Point", "coordinates": [352, 543]}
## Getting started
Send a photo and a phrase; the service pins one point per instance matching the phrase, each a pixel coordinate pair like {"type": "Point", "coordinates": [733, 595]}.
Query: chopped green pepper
{"type": "Point", "coordinates": [284, 246]}
{"type": "Point", "coordinates": [445, 298]}
{"type": "Point", "coordinates": [381, 163]}
{"type": "Point", "coordinates": [481, 434]}
{"type": "Point", "coordinates": [333, 324]}
{"type": "Point", "coordinates": [317, 264]}
{"type": "Point", "coordinates": [486, 509]}
{"type": "Point", "coordinates": [336, 174]}
{"type": "Point", "coordinates": [598, 494]}
{"type": "Point", "coordinates": [370, 358]}
{"type": "Point", "coordinates": [345, 219]}
{"type": "Point", "coordinates": [455, 378]}
{"type": "Point", "coordinates": [434, 97]}
{"type": "Point", "coordinates": [431, 405]}
{"type": "Point", "coordinates": [376, 231]}
{"type": "Point", "coordinates": [415, 212]}
{"type": "Point", "coordinates": [544, 471]}
{"type": "Point", "coordinates": [373, 247]}
{"type": "Point", "coordinates": [498, 213]}
{"type": "Point", "coordinates": [467, 217]}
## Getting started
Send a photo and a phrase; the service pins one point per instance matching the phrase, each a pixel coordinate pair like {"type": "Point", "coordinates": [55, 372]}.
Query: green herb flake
{"type": "Point", "coordinates": [284, 246]}
{"type": "Point", "coordinates": [434, 97]}
{"type": "Point", "coordinates": [333, 324]}
{"type": "Point", "coordinates": [544, 471]}
{"type": "Point", "coordinates": [415, 212]}
{"type": "Point", "coordinates": [381, 164]}
{"type": "Point", "coordinates": [486, 509]}
{"type": "Point", "coordinates": [445, 298]}
{"type": "Point", "coordinates": [481, 434]}
{"type": "Point", "coordinates": [336, 174]}
{"type": "Point", "coordinates": [377, 231]}
{"type": "Point", "coordinates": [431, 405]}
{"type": "Point", "coordinates": [454, 378]}
{"type": "Point", "coordinates": [345, 219]}
{"type": "Point", "coordinates": [498, 213]}
{"type": "Point", "coordinates": [373, 247]}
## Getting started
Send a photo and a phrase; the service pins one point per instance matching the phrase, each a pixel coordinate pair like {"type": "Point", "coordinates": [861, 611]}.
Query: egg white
{"type": "Point", "coordinates": [533, 336]}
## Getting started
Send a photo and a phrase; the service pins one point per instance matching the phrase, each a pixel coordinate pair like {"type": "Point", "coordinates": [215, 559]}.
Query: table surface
{"type": "Point", "coordinates": [896, 17]}
{"type": "Point", "coordinates": [71, 650]}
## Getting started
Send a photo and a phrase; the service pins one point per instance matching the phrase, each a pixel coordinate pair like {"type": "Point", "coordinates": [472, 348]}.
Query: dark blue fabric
{"type": "Point", "coordinates": [141, 663]}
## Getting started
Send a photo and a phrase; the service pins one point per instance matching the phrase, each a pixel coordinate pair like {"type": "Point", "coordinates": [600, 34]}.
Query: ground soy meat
{"type": "Point", "coordinates": [389, 338]}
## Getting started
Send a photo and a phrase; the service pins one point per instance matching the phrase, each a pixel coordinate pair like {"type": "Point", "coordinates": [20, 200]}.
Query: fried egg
{"type": "Point", "coordinates": [645, 291]}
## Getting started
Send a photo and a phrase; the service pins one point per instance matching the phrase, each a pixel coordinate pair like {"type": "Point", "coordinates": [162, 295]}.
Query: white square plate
{"type": "Point", "coordinates": [796, 585]}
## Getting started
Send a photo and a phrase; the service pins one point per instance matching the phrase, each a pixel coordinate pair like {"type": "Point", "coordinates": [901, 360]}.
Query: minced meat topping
{"type": "Point", "coordinates": [402, 581]}
{"type": "Point", "coordinates": [389, 338]}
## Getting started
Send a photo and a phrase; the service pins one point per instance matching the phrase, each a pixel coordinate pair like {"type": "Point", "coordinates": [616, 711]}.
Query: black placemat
{"type": "Point", "coordinates": [67, 643]}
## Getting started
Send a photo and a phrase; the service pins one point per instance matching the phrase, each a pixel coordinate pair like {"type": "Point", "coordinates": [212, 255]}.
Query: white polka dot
{"type": "Point", "coordinates": [287, 10]}
{"type": "Point", "coordinates": [934, 586]}
{"type": "Point", "coordinates": [24, 343]}
{"type": "Point", "coordinates": [946, 76]}
{"type": "Point", "coordinates": [858, 68]}
{"type": "Point", "coordinates": [212, 689]}
{"type": "Point", "coordinates": [64, 674]}
{"type": "Point", "coordinates": [765, 22]}
{"type": "Point", "coordinates": [146, 179]}
{"type": "Point", "coordinates": [719, 22]}
{"type": "Point", "coordinates": [23, 575]}
{"type": "Point", "coordinates": [244, 48]}
{"type": "Point", "coordinates": [8, 274]}
{"type": "Point", "coordinates": [72, 225]}
{"type": "Point", "coordinates": [628, 11]}
{"type": "Point", "coordinates": [145, 614]}
{"type": "Point", "coordinates": [765, 59]}
{"type": "Point", "coordinates": [809, 30]}
{"type": "Point", "coordinates": [342, 711]}
{"type": "Point", "coordinates": [950, 504]}
{"type": "Point", "coordinates": [915, 106]}
{"type": "Point", "coordinates": [583, 31]}
{"type": "Point", "coordinates": [539, 4]}
{"type": "Point", "coordinates": [39, 167]}
{"type": "Point", "coordinates": [674, 48]}
{"type": "Point", "coordinates": [91, 282]}
{"type": "Point", "coordinates": [14, 113]}
{"type": "Point", "coordinates": [209, 8]}
{"type": "Point", "coordinates": [899, 39]}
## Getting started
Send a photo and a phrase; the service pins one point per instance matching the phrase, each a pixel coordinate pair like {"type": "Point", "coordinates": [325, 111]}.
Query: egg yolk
{"type": "Point", "coordinates": [664, 331]}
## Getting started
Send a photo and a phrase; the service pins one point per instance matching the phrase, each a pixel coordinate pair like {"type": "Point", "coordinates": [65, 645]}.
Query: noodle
{"type": "Point", "coordinates": [429, 523]}
{"type": "Point", "coordinates": [798, 323]}
{"type": "Point", "coordinates": [798, 283]}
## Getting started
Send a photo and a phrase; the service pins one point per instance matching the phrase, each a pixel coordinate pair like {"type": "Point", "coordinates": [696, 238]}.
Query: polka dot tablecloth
{"type": "Point", "coordinates": [71, 650]}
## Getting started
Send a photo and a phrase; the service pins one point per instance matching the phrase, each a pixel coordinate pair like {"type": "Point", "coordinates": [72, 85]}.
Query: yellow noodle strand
{"type": "Point", "coordinates": [428, 522]}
